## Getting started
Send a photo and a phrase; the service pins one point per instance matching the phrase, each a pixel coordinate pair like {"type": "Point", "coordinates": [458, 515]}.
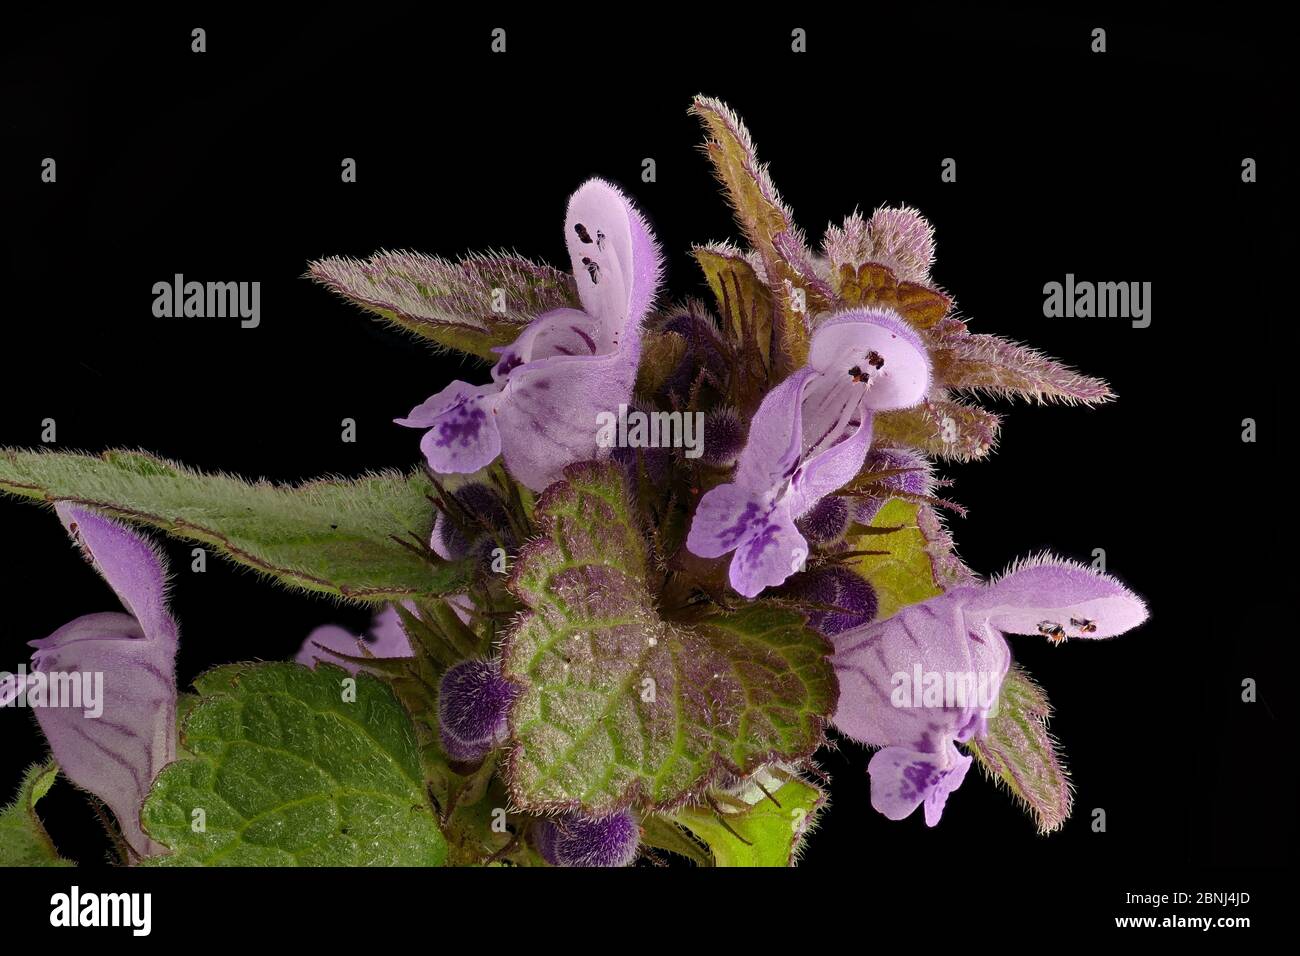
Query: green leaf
{"type": "Point", "coordinates": [905, 575]}
{"type": "Point", "coordinates": [661, 353]}
{"type": "Point", "coordinates": [470, 305]}
{"type": "Point", "coordinates": [769, 228]}
{"type": "Point", "coordinates": [942, 428]}
{"type": "Point", "coordinates": [775, 834]}
{"type": "Point", "coordinates": [362, 539]}
{"type": "Point", "coordinates": [289, 772]}
{"type": "Point", "coordinates": [1019, 751]}
{"type": "Point", "coordinates": [618, 705]}
{"type": "Point", "coordinates": [662, 833]}
{"type": "Point", "coordinates": [1007, 369]}
{"type": "Point", "coordinates": [23, 840]}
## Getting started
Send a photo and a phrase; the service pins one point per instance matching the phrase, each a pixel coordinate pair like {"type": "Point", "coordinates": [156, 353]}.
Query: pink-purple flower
{"type": "Point", "coordinates": [539, 412]}
{"type": "Point", "coordinates": [928, 678]}
{"type": "Point", "coordinates": [115, 753]}
{"type": "Point", "coordinates": [808, 438]}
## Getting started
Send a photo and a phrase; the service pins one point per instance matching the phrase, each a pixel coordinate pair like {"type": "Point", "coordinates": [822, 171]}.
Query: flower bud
{"type": "Point", "coordinates": [473, 700]}
{"type": "Point", "coordinates": [852, 598]}
{"type": "Point", "coordinates": [576, 840]}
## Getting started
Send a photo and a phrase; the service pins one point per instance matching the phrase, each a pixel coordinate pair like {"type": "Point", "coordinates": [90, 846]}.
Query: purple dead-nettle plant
{"type": "Point", "coordinates": [581, 655]}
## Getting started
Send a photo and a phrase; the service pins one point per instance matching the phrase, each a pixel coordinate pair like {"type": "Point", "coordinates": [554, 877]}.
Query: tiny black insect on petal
{"type": "Point", "coordinates": [583, 235]}
{"type": "Point", "coordinates": [593, 270]}
{"type": "Point", "coordinates": [1052, 631]}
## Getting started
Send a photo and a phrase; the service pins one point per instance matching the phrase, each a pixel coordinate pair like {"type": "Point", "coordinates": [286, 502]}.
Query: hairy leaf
{"type": "Point", "coordinates": [1005, 369]}
{"type": "Point", "coordinates": [769, 833]}
{"type": "Point", "coordinates": [898, 238]}
{"type": "Point", "coordinates": [618, 706]}
{"type": "Point", "coordinates": [875, 284]}
{"type": "Point", "coordinates": [289, 770]}
{"type": "Point", "coordinates": [23, 840]}
{"type": "Point", "coordinates": [661, 353]}
{"type": "Point", "coordinates": [940, 427]}
{"type": "Point", "coordinates": [768, 226]}
{"type": "Point", "coordinates": [746, 308]}
{"type": "Point", "coordinates": [1020, 751]}
{"type": "Point", "coordinates": [361, 538]}
{"type": "Point", "coordinates": [905, 575]}
{"type": "Point", "coordinates": [471, 305]}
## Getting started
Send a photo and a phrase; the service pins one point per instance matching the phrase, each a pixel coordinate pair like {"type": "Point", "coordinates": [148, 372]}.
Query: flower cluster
{"type": "Point", "coordinates": [628, 650]}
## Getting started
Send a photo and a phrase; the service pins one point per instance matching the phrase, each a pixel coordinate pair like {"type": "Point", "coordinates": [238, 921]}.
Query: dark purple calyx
{"type": "Point", "coordinates": [911, 475]}
{"type": "Point", "coordinates": [475, 522]}
{"type": "Point", "coordinates": [473, 701]}
{"type": "Point", "coordinates": [840, 599]}
{"type": "Point", "coordinates": [705, 352]}
{"type": "Point", "coordinates": [724, 438]}
{"type": "Point", "coordinates": [575, 840]}
{"type": "Point", "coordinates": [827, 521]}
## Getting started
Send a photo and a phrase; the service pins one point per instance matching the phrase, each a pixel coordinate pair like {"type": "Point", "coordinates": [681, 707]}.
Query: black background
{"type": "Point", "coordinates": [1117, 167]}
